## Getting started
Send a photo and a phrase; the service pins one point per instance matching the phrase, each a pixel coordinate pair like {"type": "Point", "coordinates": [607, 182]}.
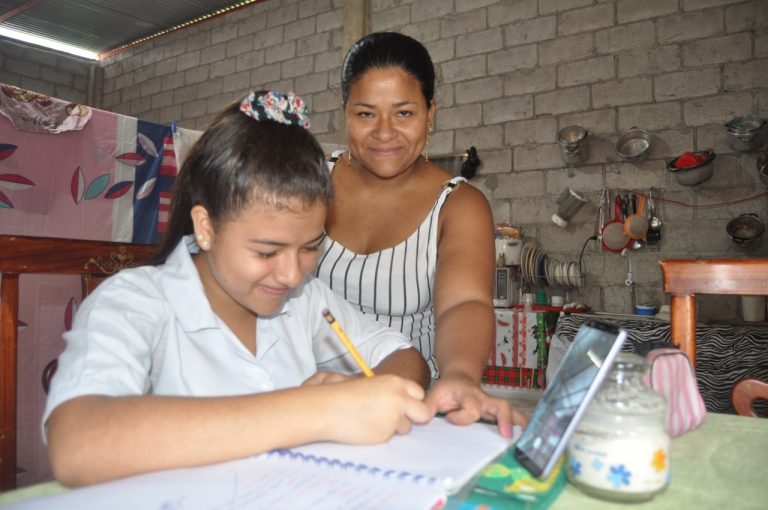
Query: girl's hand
{"type": "Point", "coordinates": [321, 377]}
{"type": "Point", "coordinates": [464, 402]}
{"type": "Point", "coordinates": [372, 409]}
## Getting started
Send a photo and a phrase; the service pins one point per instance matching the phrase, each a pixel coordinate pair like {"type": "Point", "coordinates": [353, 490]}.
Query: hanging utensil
{"type": "Point", "coordinates": [614, 239]}
{"type": "Point", "coordinates": [653, 235]}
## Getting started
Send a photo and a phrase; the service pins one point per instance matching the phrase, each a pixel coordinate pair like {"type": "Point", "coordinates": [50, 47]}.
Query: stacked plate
{"type": "Point", "coordinates": [537, 269]}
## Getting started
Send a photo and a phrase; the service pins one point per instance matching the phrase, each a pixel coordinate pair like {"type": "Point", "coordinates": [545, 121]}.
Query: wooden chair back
{"type": "Point", "coordinates": [746, 392]}
{"type": "Point", "coordinates": [683, 279]}
{"type": "Point", "coordinates": [44, 255]}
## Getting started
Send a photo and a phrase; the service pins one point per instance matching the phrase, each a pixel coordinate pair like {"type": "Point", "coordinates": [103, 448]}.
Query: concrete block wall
{"type": "Point", "coordinates": [43, 71]}
{"type": "Point", "coordinates": [511, 73]}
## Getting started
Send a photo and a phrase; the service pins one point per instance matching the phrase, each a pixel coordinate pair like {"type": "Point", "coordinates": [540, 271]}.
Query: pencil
{"type": "Point", "coordinates": [347, 343]}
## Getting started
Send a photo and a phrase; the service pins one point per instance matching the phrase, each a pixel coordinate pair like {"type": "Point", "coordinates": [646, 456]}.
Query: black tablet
{"type": "Point", "coordinates": [567, 396]}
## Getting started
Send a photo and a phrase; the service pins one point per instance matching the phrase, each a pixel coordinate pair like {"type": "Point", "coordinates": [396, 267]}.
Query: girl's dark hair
{"type": "Point", "coordinates": [388, 49]}
{"type": "Point", "coordinates": [239, 160]}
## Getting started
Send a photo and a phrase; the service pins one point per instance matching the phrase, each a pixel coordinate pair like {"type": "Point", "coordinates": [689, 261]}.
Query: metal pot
{"type": "Point", "coordinates": [762, 167]}
{"type": "Point", "coordinates": [746, 133]}
{"type": "Point", "coordinates": [695, 174]}
{"type": "Point", "coordinates": [573, 145]}
{"type": "Point", "coordinates": [633, 145]}
{"type": "Point", "coordinates": [745, 228]}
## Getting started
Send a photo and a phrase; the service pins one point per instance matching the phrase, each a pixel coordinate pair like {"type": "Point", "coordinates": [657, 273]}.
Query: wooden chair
{"type": "Point", "coordinates": [745, 393]}
{"type": "Point", "coordinates": [683, 279]}
{"type": "Point", "coordinates": [43, 255]}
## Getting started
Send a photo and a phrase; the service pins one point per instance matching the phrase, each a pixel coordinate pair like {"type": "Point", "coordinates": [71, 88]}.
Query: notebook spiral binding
{"type": "Point", "coordinates": [363, 469]}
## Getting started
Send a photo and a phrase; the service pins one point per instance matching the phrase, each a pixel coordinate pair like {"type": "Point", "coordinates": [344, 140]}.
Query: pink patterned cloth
{"type": "Point", "coordinates": [38, 113]}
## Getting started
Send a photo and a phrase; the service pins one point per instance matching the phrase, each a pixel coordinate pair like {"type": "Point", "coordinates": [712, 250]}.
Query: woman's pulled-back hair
{"type": "Point", "coordinates": [239, 160]}
{"type": "Point", "coordinates": [388, 49]}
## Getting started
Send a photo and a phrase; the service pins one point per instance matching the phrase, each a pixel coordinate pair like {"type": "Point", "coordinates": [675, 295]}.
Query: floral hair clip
{"type": "Point", "coordinates": [277, 107]}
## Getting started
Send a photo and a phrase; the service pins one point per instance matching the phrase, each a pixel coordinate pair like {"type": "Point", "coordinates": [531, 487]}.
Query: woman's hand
{"type": "Point", "coordinates": [370, 410]}
{"type": "Point", "coordinates": [463, 402]}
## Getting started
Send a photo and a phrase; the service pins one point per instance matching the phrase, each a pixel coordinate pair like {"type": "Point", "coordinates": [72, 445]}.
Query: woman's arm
{"type": "Point", "coordinates": [97, 438]}
{"type": "Point", "coordinates": [464, 316]}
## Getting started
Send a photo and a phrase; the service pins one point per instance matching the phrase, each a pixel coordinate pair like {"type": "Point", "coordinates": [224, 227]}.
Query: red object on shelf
{"type": "Point", "coordinates": [689, 159]}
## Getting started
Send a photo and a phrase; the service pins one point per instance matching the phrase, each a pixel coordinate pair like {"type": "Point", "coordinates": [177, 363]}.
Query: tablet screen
{"type": "Point", "coordinates": [567, 396]}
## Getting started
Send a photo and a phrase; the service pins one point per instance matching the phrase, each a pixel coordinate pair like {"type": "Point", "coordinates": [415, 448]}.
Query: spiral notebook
{"type": "Point", "coordinates": [414, 471]}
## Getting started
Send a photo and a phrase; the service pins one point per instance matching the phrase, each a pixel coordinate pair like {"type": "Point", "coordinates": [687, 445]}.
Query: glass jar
{"type": "Point", "coordinates": [620, 449]}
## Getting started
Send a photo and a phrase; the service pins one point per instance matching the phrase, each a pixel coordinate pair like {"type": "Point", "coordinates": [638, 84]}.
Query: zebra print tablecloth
{"type": "Point", "coordinates": [725, 353]}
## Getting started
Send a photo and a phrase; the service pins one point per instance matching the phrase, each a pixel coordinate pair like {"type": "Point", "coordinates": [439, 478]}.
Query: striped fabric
{"type": "Point", "coordinates": [725, 354]}
{"type": "Point", "coordinates": [671, 375]}
{"type": "Point", "coordinates": [394, 286]}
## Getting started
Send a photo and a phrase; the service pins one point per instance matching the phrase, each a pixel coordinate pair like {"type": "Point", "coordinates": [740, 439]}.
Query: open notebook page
{"type": "Point", "coordinates": [450, 453]}
{"type": "Point", "coordinates": [453, 454]}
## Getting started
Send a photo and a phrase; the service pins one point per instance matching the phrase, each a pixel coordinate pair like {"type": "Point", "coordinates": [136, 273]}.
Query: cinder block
{"type": "Point", "coordinates": [519, 57]}
{"type": "Point", "coordinates": [597, 122]}
{"type": "Point", "coordinates": [208, 88]}
{"type": "Point", "coordinates": [284, 14]}
{"type": "Point", "coordinates": [628, 11]}
{"type": "Point", "coordinates": [187, 61]}
{"type": "Point", "coordinates": [585, 19]}
{"type": "Point", "coordinates": [330, 20]}
{"type": "Point", "coordinates": [528, 211]}
{"type": "Point", "coordinates": [746, 75]}
{"type": "Point", "coordinates": [428, 9]}
{"type": "Point", "coordinates": [309, 8]}
{"type": "Point", "coordinates": [223, 67]}
{"type": "Point", "coordinates": [24, 68]}
{"type": "Point", "coordinates": [717, 50]}
{"type": "Point", "coordinates": [196, 75]}
{"type": "Point", "coordinates": [425, 31]}
{"type": "Point", "coordinates": [459, 117]}
{"type": "Point", "coordinates": [299, 29]}
{"type": "Point", "coordinates": [690, 25]}
{"type": "Point", "coordinates": [650, 116]}
{"type": "Point", "coordinates": [592, 70]}
{"type": "Point", "coordinates": [712, 136]}
{"type": "Point", "coordinates": [530, 131]}
{"type": "Point", "coordinates": [528, 81]}
{"type": "Point", "coordinates": [687, 84]}
{"type": "Point", "coordinates": [313, 44]}
{"type": "Point", "coordinates": [670, 143]}
{"type": "Point", "coordinates": [482, 138]}
{"type": "Point", "coordinates": [473, 21]}
{"type": "Point", "coordinates": [761, 43]}
{"type": "Point", "coordinates": [308, 84]}
{"type": "Point", "coordinates": [621, 92]}
{"type": "Point", "coordinates": [530, 31]}
{"type": "Point", "coordinates": [503, 13]}
{"type": "Point", "coordinates": [224, 33]}
{"type": "Point", "coordinates": [464, 69]}
{"type": "Point", "coordinates": [280, 52]}
{"type": "Point", "coordinates": [537, 157]}
{"type": "Point", "coordinates": [583, 179]}
{"type": "Point", "coordinates": [441, 50]}
{"type": "Point", "coordinates": [391, 18]}
{"type": "Point", "coordinates": [478, 90]}
{"type": "Point", "coordinates": [294, 67]}
{"type": "Point", "coordinates": [566, 49]}
{"type": "Point", "coordinates": [553, 6]}
{"type": "Point", "coordinates": [721, 108]}
{"type": "Point", "coordinates": [479, 42]}
{"type": "Point", "coordinates": [495, 162]}
{"type": "Point", "coordinates": [519, 184]}
{"type": "Point", "coordinates": [631, 176]}
{"type": "Point", "coordinates": [235, 82]}
{"type": "Point", "coordinates": [573, 99]}
{"type": "Point", "coordinates": [507, 108]}
{"type": "Point", "coordinates": [746, 16]}
{"type": "Point", "coordinates": [327, 61]}
{"type": "Point", "coordinates": [625, 37]}
{"type": "Point", "coordinates": [658, 60]}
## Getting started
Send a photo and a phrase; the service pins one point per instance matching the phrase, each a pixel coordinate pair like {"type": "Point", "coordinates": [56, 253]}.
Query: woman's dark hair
{"type": "Point", "coordinates": [239, 160]}
{"type": "Point", "coordinates": [388, 49]}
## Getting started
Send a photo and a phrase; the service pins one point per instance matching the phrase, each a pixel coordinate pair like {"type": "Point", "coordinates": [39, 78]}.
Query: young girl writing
{"type": "Point", "coordinates": [221, 350]}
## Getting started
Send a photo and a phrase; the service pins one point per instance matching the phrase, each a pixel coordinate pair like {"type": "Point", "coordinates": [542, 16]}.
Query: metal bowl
{"type": "Point", "coordinates": [746, 133]}
{"type": "Point", "coordinates": [633, 145]}
{"type": "Point", "coordinates": [745, 228]}
{"type": "Point", "coordinates": [696, 174]}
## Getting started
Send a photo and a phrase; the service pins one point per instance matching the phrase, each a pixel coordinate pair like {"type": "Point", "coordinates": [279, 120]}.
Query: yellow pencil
{"type": "Point", "coordinates": [347, 343]}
